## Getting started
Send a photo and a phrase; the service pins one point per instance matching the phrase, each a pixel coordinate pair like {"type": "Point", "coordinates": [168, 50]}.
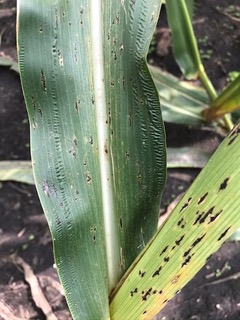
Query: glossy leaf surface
{"type": "Point", "coordinates": [97, 139]}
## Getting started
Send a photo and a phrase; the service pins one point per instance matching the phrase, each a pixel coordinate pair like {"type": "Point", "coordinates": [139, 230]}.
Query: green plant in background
{"type": "Point", "coordinates": [98, 153]}
{"type": "Point", "coordinates": [187, 55]}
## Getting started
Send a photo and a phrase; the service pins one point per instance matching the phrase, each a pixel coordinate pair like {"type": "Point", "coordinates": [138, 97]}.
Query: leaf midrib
{"type": "Point", "coordinates": [110, 226]}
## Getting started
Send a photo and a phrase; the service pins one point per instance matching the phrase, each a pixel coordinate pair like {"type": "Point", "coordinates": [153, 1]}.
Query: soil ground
{"type": "Point", "coordinates": [214, 293]}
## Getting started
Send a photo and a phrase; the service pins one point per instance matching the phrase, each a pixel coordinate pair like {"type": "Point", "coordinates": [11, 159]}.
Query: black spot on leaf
{"type": "Point", "coordinates": [213, 218]}
{"type": "Point", "coordinates": [224, 184]}
{"type": "Point", "coordinates": [205, 215]}
{"type": "Point", "coordinates": [223, 234]}
{"type": "Point", "coordinates": [133, 292]}
{"type": "Point", "coordinates": [198, 240]}
{"type": "Point", "coordinates": [202, 198]}
{"type": "Point", "coordinates": [163, 251]}
{"type": "Point", "coordinates": [157, 272]}
{"type": "Point", "coordinates": [187, 260]}
{"type": "Point", "coordinates": [146, 294]}
{"type": "Point", "coordinates": [198, 218]}
{"type": "Point", "coordinates": [178, 242]}
{"type": "Point", "coordinates": [186, 205]}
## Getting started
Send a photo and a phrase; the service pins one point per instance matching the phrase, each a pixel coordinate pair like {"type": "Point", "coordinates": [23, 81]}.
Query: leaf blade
{"type": "Point", "coordinates": [199, 225]}
{"type": "Point", "coordinates": [57, 75]}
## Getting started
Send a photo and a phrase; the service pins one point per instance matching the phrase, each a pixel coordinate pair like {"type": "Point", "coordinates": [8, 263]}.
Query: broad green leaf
{"type": "Point", "coordinates": [19, 171]}
{"type": "Point", "coordinates": [228, 101]}
{"type": "Point", "coordinates": [206, 216]}
{"type": "Point", "coordinates": [181, 102]}
{"type": "Point", "coordinates": [97, 139]}
{"type": "Point", "coordinates": [184, 43]}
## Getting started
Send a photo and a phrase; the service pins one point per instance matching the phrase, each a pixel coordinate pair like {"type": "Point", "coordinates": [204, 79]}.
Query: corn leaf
{"type": "Point", "coordinates": [97, 139]}
{"type": "Point", "coordinates": [184, 43]}
{"type": "Point", "coordinates": [19, 171]}
{"type": "Point", "coordinates": [206, 216]}
{"type": "Point", "coordinates": [181, 101]}
{"type": "Point", "coordinates": [228, 101]}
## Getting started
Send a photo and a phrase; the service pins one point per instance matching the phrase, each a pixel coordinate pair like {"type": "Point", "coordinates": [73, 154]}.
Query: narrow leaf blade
{"type": "Point", "coordinates": [181, 102]}
{"type": "Point", "coordinates": [228, 101]}
{"type": "Point", "coordinates": [206, 216]}
{"type": "Point", "coordinates": [19, 171]}
{"type": "Point", "coordinates": [184, 43]}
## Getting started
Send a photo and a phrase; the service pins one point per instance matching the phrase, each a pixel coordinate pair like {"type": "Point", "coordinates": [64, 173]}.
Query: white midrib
{"type": "Point", "coordinates": [110, 226]}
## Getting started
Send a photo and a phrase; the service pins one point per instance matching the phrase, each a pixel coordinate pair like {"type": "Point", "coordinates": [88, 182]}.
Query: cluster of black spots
{"type": "Point", "coordinates": [186, 204]}
{"type": "Point", "coordinates": [223, 234]}
{"type": "Point", "coordinates": [206, 215]}
{"type": "Point", "coordinates": [166, 259]}
{"type": "Point", "coordinates": [130, 119]}
{"type": "Point", "coordinates": [187, 260]}
{"type": "Point", "coordinates": [73, 152]}
{"type": "Point", "coordinates": [81, 13]}
{"type": "Point", "coordinates": [224, 184]}
{"type": "Point", "coordinates": [133, 292]}
{"type": "Point", "coordinates": [105, 149]}
{"type": "Point", "coordinates": [141, 273]}
{"type": "Point", "coordinates": [93, 231]}
{"type": "Point", "coordinates": [75, 141]}
{"type": "Point", "coordinates": [154, 292]}
{"type": "Point", "coordinates": [121, 223]}
{"type": "Point", "coordinates": [198, 240]}
{"type": "Point", "coordinates": [92, 100]}
{"type": "Point", "coordinates": [201, 200]}
{"type": "Point", "coordinates": [198, 218]}
{"type": "Point", "coordinates": [88, 178]}
{"type": "Point", "coordinates": [157, 272]}
{"type": "Point", "coordinates": [160, 292]}
{"type": "Point", "coordinates": [144, 312]}
{"type": "Point", "coordinates": [127, 154]}
{"type": "Point", "coordinates": [33, 102]}
{"type": "Point", "coordinates": [186, 253]}
{"type": "Point", "coordinates": [146, 294]}
{"type": "Point", "coordinates": [213, 218]}
{"type": "Point", "coordinates": [181, 223]}
{"type": "Point", "coordinates": [163, 251]}
{"type": "Point", "coordinates": [43, 80]}
{"type": "Point", "coordinates": [178, 242]}
{"type": "Point", "coordinates": [91, 140]}
{"type": "Point", "coordinates": [40, 112]}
